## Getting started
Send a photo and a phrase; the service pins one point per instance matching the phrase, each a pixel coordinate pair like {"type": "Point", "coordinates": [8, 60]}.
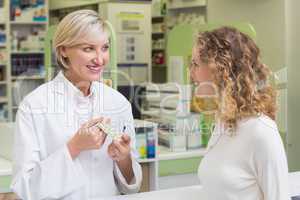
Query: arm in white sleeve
{"type": "Point", "coordinates": [271, 165]}
{"type": "Point", "coordinates": [35, 178]}
{"type": "Point", "coordinates": [135, 184]}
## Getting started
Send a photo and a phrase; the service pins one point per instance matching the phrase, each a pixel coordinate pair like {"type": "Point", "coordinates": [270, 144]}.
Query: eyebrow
{"type": "Point", "coordinates": [90, 44]}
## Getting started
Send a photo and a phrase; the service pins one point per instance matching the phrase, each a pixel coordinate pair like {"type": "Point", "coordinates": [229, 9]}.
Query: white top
{"type": "Point", "coordinates": [251, 165]}
{"type": "Point", "coordinates": [46, 120]}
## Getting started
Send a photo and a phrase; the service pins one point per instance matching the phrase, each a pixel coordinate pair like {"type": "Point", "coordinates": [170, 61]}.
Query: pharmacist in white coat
{"type": "Point", "coordinates": [59, 153]}
{"type": "Point", "coordinates": [245, 158]}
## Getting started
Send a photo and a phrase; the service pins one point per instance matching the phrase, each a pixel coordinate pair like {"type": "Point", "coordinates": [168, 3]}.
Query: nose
{"type": "Point", "coordinates": [99, 59]}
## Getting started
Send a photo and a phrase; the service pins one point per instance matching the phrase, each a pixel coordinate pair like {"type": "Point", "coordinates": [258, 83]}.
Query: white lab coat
{"type": "Point", "coordinates": [46, 120]}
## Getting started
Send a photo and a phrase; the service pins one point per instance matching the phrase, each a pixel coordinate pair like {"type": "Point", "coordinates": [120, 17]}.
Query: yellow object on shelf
{"type": "Point", "coordinates": [108, 82]}
{"type": "Point", "coordinates": [201, 104]}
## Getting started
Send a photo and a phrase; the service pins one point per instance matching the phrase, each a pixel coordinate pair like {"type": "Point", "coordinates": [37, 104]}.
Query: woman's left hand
{"type": "Point", "coordinates": [119, 149]}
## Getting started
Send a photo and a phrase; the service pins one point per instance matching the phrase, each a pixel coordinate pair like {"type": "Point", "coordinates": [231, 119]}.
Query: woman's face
{"type": "Point", "coordinates": [201, 76]}
{"type": "Point", "coordinates": [88, 59]}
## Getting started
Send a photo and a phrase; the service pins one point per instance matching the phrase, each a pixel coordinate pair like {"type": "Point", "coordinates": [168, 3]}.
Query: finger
{"type": "Point", "coordinates": [92, 130]}
{"type": "Point", "coordinates": [82, 130]}
{"type": "Point", "coordinates": [107, 121]}
{"type": "Point", "coordinates": [96, 130]}
{"type": "Point", "coordinates": [102, 139]}
{"type": "Point", "coordinates": [112, 152]}
{"type": "Point", "coordinates": [116, 154]}
{"type": "Point", "coordinates": [115, 158]}
{"type": "Point", "coordinates": [103, 125]}
{"type": "Point", "coordinates": [115, 148]}
{"type": "Point", "coordinates": [126, 138]}
{"type": "Point", "coordinates": [93, 122]}
{"type": "Point", "coordinates": [120, 147]}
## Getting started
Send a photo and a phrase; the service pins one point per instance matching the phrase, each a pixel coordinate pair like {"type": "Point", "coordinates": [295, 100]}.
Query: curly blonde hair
{"type": "Point", "coordinates": [240, 77]}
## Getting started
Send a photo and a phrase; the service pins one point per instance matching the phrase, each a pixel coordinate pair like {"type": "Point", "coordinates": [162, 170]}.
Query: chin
{"type": "Point", "coordinates": [94, 77]}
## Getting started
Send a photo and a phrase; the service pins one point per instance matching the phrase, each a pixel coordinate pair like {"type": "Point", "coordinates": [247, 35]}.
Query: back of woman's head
{"type": "Point", "coordinates": [238, 73]}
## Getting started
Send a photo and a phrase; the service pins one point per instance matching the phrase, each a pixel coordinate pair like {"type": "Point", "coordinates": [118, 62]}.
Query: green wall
{"type": "Point", "coordinates": [293, 66]}
{"type": "Point", "coordinates": [267, 17]}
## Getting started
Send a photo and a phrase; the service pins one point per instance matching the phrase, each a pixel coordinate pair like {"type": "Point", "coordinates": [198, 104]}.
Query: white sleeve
{"type": "Point", "coordinates": [34, 178]}
{"type": "Point", "coordinates": [135, 184]}
{"type": "Point", "coordinates": [271, 166]}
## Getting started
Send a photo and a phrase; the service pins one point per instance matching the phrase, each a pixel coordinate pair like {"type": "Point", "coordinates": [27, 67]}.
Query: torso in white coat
{"type": "Point", "coordinates": [47, 119]}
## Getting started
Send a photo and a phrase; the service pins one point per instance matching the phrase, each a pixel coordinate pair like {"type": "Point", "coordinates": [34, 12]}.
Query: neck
{"type": "Point", "coordinates": [83, 86]}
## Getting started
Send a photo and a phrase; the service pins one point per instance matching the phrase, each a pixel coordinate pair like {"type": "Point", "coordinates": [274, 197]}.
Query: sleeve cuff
{"type": "Point", "coordinates": [136, 181]}
{"type": "Point", "coordinates": [75, 165]}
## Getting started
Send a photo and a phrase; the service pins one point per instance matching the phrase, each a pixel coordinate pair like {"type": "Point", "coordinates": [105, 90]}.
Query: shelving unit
{"type": "Point", "coordinates": [27, 24]}
{"type": "Point", "coordinates": [166, 154]}
{"type": "Point", "coordinates": [181, 4]}
{"type": "Point", "coordinates": [186, 12]}
{"type": "Point", "coordinates": [4, 61]}
{"type": "Point", "coordinates": [158, 49]}
{"type": "Point", "coordinates": [36, 77]}
{"type": "Point", "coordinates": [177, 12]}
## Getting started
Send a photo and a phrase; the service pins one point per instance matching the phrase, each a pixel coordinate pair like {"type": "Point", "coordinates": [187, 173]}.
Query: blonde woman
{"type": "Point", "coordinates": [245, 158]}
{"type": "Point", "coordinates": [60, 152]}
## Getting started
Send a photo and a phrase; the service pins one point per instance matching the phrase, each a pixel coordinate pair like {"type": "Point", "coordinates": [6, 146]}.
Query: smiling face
{"type": "Point", "coordinates": [88, 58]}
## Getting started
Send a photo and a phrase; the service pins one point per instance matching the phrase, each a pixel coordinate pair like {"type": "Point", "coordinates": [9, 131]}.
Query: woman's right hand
{"type": "Point", "coordinates": [87, 137]}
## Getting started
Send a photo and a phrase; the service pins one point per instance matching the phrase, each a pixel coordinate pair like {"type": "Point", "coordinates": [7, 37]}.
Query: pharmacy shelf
{"type": "Point", "coordinates": [36, 77]}
{"type": "Point", "coordinates": [58, 4]}
{"type": "Point", "coordinates": [23, 27]}
{"type": "Point", "coordinates": [153, 65]}
{"type": "Point", "coordinates": [28, 23]}
{"type": "Point", "coordinates": [158, 16]}
{"type": "Point", "coordinates": [158, 49]}
{"type": "Point", "coordinates": [186, 7]}
{"type": "Point", "coordinates": [182, 4]}
{"type": "Point", "coordinates": [3, 100]}
{"type": "Point", "coordinates": [158, 33]}
{"type": "Point", "coordinates": [27, 52]}
{"type": "Point", "coordinates": [281, 86]}
{"type": "Point", "coordinates": [166, 154]}
{"type": "Point", "coordinates": [151, 113]}
{"type": "Point", "coordinates": [159, 36]}
{"type": "Point", "coordinates": [146, 160]}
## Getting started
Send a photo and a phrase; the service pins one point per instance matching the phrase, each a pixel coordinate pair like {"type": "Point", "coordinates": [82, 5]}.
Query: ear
{"type": "Point", "coordinates": [63, 51]}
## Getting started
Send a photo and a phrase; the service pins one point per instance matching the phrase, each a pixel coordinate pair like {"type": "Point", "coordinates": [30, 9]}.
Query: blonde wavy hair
{"type": "Point", "coordinates": [241, 79]}
{"type": "Point", "coordinates": [73, 29]}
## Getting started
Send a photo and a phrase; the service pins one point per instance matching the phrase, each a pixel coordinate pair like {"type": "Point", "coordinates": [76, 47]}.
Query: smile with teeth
{"type": "Point", "coordinates": [94, 68]}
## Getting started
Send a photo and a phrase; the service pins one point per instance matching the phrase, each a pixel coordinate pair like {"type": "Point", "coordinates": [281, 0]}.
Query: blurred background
{"type": "Point", "coordinates": [152, 46]}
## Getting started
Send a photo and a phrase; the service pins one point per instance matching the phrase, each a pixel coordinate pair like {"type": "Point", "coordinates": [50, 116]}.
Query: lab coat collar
{"type": "Point", "coordinates": [63, 85]}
